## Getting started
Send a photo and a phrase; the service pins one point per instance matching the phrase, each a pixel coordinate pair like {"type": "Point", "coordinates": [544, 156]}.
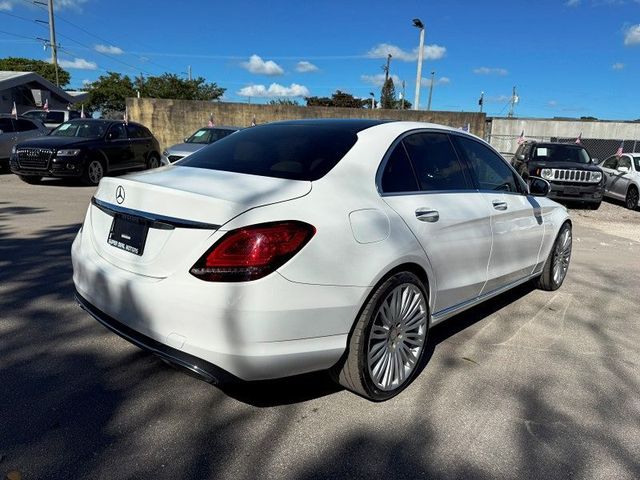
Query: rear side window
{"type": "Point", "coordinates": [5, 125]}
{"type": "Point", "coordinates": [296, 152]}
{"type": "Point", "coordinates": [25, 125]}
{"type": "Point", "coordinates": [398, 175]}
{"type": "Point", "coordinates": [134, 131]}
{"type": "Point", "coordinates": [54, 117]}
{"type": "Point", "coordinates": [435, 162]}
{"type": "Point", "coordinates": [491, 171]}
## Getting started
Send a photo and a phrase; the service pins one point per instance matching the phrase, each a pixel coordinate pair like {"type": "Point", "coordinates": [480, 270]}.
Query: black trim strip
{"type": "Point", "coordinates": [155, 221]}
{"type": "Point", "coordinates": [201, 368]}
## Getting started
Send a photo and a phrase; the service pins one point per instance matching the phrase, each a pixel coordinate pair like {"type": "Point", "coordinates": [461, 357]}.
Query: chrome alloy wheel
{"type": "Point", "coordinates": [397, 337]}
{"type": "Point", "coordinates": [95, 171]}
{"type": "Point", "coordinates": [561, 256]}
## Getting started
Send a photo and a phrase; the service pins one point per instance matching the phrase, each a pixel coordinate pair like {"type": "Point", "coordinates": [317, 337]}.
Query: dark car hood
{"type": "Point", "coordinates": [55, 142]}
{"type": "Point", "coordinates": [564, 165]}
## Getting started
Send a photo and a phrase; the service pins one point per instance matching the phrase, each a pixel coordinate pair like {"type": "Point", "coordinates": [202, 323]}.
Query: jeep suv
{"type": "Point", "coordinates": [86, 149]}
{"type": "Point", "coordinates": [567, 167]}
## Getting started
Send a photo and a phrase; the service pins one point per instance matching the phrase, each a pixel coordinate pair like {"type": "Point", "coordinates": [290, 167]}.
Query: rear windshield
{"type": "Point", "coordinates": [208, 135]}
{"type": "Point", "coordinates": [561, 153]}
{"type": "Point", "coordinates": [295, 152]}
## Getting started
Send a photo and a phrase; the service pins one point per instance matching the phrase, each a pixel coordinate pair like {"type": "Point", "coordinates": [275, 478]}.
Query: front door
{"type": "Point", "coordinates": [425, 183]}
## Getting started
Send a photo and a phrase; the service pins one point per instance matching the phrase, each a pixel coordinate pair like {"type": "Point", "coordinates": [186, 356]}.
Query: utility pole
{"type": "Point", "coordinates": [189, 70]}
{"type": "Point", "coordinates": [430, 91]}
{"type": "Point", "coordinates": [373, 102]}
{"type": "Point", "coordinates": [403, 93]}
{"type": "Point", "coordinates": [386, 68]}
{"type": "Point", "coordinates": [52, 40]}
{"type": "Point", "coordinates": [514, 99]}
{"type": "Point", "coordinates": [418, 24]}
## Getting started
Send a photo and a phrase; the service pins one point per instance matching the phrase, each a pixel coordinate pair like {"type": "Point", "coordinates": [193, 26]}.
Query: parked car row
{"type": "Point", "coordinates": [15, 130]}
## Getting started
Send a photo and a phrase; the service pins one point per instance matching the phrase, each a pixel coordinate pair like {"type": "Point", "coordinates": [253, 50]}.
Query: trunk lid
{"type": "Point", "coordinates": [178, 209]}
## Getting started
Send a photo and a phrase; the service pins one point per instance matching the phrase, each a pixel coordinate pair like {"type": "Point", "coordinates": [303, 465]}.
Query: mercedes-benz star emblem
{"type": "Point", "coordinates": [120, 194]}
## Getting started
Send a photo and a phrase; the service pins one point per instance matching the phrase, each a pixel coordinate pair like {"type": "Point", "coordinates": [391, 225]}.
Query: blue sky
{"type": "Point", "coordinates": [567, 58]}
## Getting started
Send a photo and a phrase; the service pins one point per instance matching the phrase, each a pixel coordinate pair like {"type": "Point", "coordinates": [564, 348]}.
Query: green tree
{"type": "Point", "coordinates": [107, 94]}
{"type": "Point", "coordinates": [284, 101]}
{"type": "Point", "coordinates": [388, 95]}
{"type": "Point", "coordinates": [44, 69]}
{"type": "Point", "coordinates": [338, 99]}
{"type": "Point", "coordinates": [169, 85]}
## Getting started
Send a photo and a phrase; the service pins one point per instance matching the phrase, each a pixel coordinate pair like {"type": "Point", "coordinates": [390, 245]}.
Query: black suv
{"type": "Point", "coordinates": [568, 167]}
{"type": "Point", "coordinates": [87, 149]}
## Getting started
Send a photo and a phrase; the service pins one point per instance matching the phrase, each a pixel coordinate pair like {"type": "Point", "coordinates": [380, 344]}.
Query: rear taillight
{"type": "Point", "coordinates": [252, 252]}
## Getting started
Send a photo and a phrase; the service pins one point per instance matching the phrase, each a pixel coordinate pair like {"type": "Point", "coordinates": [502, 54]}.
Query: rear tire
{"type": "Point", "coordinates": [93, 172]}
{"type": "Point", "coordinates": [153, 162]}
{"type": "Point", "coordinates": [631, 200]}
{"type": "Point", "coordinates": [594, 205]}
{"type": "Point", "coordinates": [388, 341]}
{"type": "Point", "coordinates": [557, 264]}
{"type": "Point", "coordinates": [30, 179]}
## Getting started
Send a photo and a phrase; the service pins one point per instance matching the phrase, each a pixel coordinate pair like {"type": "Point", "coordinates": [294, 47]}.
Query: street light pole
{"type": "Point", "coordinates": [430, 91]}
{"type": "Point", "coordinates": [372, 100]}
{"type": "Point", "coordinates": [418, 24]}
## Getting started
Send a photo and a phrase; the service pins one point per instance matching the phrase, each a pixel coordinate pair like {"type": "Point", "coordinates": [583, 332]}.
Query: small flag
{"type": "Point", "coordinates": [481, 100]}
{"type": "Point", "coordinates": [46, 105]}
{"type": "Point", "coordinates": [521, 138]}
{"type": "Point", "coordinates": [82, 115]}
{"type": "Point", "coordinates": [579, 139]}
{"type": "Point", "coordinates": [212, 122]}
{"type": "Point", "coordinates": [466, 128]}
{"type": "Point", "coordinates": [126, 115]}
{"type": "Point", "coordinates": [620, 149]}
{"type": "Point", "coordinates": [253, 121]}
{"type": "Point", "coordinates": [14, 110]}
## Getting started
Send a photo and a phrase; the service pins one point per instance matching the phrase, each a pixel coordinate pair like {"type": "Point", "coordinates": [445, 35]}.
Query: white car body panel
{"type": "Point", "coordinates": [617, 183]}
{"type": "Point", "coordinates": [298, 318]}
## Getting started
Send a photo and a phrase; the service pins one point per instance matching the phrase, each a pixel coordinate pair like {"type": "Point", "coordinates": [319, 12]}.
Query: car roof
{"type": "Point", "coordinates": [354, 125]}
{"type": "Point", "coordinates": [553, 144]}
{"type": "Point", "coordinates": [221, 127]}
{"type": "Point", "coordinates": [21, 117]}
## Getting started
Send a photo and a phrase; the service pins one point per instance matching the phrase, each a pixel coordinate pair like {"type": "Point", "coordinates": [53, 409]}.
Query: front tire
{"type": "Point", "coordinates": [557, 264]}
{"type": "Point", "coordinates": [93, 172]}
{"type": "Point", "coordinates": [388, 341]}
{"type": "Point", "coordinates": [30, 179]}
{"type": "Point", "coordinates": [631, 200]}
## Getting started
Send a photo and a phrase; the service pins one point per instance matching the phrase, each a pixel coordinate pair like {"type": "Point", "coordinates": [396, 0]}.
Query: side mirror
{"type": "Point", "coordinates": [538, 187]}
{"type": "Point", "coordinates": [623, 169]}
{"type": "Point", "coordinates": [595, 161]}
{"type": "Point", "coordinates": [520, 156]}
{"type": "Point", "coordinates": [185, 139]}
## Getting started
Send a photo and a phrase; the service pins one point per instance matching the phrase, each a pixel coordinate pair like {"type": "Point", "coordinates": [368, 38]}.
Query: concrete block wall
{"type": "Point", "coordinates": [172, 120]}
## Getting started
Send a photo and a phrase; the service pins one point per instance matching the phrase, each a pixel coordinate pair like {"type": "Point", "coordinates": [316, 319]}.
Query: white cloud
{"type": "Point", "coordinates": [259, 66]}
{"type": "Point", "coordinates": [109, 49]}
{"type": "Point", "coordinates": [498, 99]}
{"type": "Point", "coordinates": [430, 52]}
{"type": "Point", "coordinates": [572, 3]}
{"type": "Point", "coordinates": [618, 66]}
{"type": "Point", "coordinates": [378, 80]}
{"type": "Point", "coordinates": [490, 71]}
{"type": "Point", "coordinates": [71, 4]}
{"type": "Point", "coordinates": [274, 90]}
{"type": "Point", "coordinates": [78, 64]}
{"type": "Point", "coordinates": [6, 6]}
{"type": "Point", "coordinates": [306, 67]}
{"type": "Point", "coordinates": [552, 103]}
{"type": "Point", "coordinates": [86, 82]}
{"type": "Point", "coordinates": [426, 82]}
{"type": "Point", "coordinates": [632, 35]}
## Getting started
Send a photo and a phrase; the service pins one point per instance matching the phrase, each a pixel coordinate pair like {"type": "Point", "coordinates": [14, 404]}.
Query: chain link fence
{"type": "Point", "coordinates": [599, 148]}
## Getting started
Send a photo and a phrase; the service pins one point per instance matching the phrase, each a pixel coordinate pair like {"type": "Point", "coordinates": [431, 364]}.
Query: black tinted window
{"type": "Point", "coordinates": [73, 114]}
{"type": "Point", "coordinates": [134, 131]}
{"type": "Point", "coordinates": [55, 117]}
{"type": "Point", "coordinates": [491, 171]}
{"type": "Point", "coordinates": [6, 125]}
{"type": "Point", "coordinates": [611, 162]}
{"type": "Point", "coordinates": [118, 132]}
{"type": "Point", "coordinates": [25, 125]}
{"type": "Point", "coordinates": [435, 162]}
{"type": "Point", "coordinates": [297, 152]}
{"type": "Point", "coordinates": [398, 175]}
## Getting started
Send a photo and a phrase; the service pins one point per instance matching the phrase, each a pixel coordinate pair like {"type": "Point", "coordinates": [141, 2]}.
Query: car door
{"type": "Point", "coordinates": [140, 145]}
{"type": "Point", "coordinates": [424, 181]}
{"type": "Point", "coordinates": [620, 180]}
{"type": "Point", "coordinates": [609, 167]}
{"type": "Point", "coordinates": [26, 129]}
{"type": "Point", "coordinates": [7, 137]}
{"type": "Point", "coordinates": [117, 148]}
{"type": "Point", "coordinates": [516, 218]}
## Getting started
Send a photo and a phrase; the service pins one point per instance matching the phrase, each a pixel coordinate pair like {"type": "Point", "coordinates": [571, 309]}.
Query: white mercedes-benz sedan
{"type": "Point", "coordinates": [307, 245]}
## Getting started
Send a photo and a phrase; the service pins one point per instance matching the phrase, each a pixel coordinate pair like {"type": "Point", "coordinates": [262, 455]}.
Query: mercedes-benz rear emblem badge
{"type": "Point", "coordinates": [120, 194]}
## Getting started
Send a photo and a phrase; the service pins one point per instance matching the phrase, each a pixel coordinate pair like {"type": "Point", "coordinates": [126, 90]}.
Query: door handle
{"type": "Point", "coordinates": [499, 205]}
{"type": "Point", "coordinates": [427, 215]}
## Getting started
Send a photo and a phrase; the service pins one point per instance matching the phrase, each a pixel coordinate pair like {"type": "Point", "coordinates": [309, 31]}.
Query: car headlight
{"type": "Point", "coordinates": [69, 153]}
{"type": "Point", "coordinates": [546, 173]}
{"type": "Point", "coordinates": [13, 150]}
{"type": "Point", "coordinates": [596, 176]}
{"type": "Point", "coordinates": [165, 153]}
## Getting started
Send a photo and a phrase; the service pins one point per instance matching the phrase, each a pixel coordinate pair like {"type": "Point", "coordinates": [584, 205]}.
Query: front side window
{"type": "Point", "coordinates": [491, 171]}
{"type": "Point", "coordinates": [435, 162]}
{"type": "Point", "coordinates": [398, 174]}
{"type": "Point", "coordinates": [25, 125]}
{"type": "Point", "coordinates": [118, 132]}
{"type": "Point", "coordinates": [611, 162]}
{"type": "Point", "coordinates": [5, 125]}
{"type": "Point", "coordinates": [54, 117]}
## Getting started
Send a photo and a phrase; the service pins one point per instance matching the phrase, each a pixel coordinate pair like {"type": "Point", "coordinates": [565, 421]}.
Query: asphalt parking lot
{"type": "Point", "coordinates": [529, 385]}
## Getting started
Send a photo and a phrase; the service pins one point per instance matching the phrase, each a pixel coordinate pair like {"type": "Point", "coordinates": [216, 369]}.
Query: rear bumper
{"type": "Point", "coordinates": [269, 328]}
{"type": "Point", "coordinates": [584, 193]}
